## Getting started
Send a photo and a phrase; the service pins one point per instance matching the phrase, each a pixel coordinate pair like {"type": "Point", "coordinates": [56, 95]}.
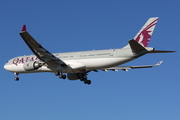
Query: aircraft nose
{"type": "Point", "coordinates": [13, 68]}
{"type": "Point", "coordinates": [5, 66]}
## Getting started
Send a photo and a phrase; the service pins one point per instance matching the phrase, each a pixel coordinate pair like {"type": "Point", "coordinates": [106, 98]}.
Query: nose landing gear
{"type": "Point", "coordinates": [16, 76]}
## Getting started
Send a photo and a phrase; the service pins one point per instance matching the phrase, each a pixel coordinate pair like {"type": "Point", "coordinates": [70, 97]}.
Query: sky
{"type": "Point", "coordinates": [79, 25]}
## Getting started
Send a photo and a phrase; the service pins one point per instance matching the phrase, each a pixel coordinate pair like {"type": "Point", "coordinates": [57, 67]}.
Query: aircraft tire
{"type": "Point", "coordinates": [64, 76]}
{"type": "Point", "coordinates": [16, 79]}
{"type": "Point", "coordinates": [87, 82]}
{"type": "Point", "coordinates": [57, 73]}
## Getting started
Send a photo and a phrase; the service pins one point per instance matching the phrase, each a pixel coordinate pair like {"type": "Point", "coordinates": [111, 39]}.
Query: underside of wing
{"type": "Point", "coordinates": [125, 68]}
{"type": "Point", "coordinates": [38, 50]}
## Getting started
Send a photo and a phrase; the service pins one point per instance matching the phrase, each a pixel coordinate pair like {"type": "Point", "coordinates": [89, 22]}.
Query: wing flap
{"type": "Point", "coordinates": [125, 68]}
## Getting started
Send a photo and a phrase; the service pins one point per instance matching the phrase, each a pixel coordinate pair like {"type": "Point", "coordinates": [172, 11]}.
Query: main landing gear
{"type": "Point", "coordinates": [87, 82]}
{"type": "Point", "coordinates": [83, 77]}
{"type": "Point", "coordinates": [16, 76]}
{"type": "Point", "coordinates": [61, 76]}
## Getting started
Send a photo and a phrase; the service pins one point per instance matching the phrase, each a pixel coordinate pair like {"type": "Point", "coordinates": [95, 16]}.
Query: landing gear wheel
{"type": "Point", "coordinates": [16, 79]}
{"type": "Point", "coordinates": [16, 76]}
{"type": "Point", "coordinates": [83, 77]}
{"type": "Point", "coordinates": [87, 82]}
{"type": "Point", "coordinates": [57, 73]}
{"type": "Point", "coordinates": [62, 76]}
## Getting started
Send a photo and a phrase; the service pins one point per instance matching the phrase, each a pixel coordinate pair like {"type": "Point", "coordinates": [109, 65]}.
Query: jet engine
{"type": "Point", "coordinates": [32, 65]}
{"type": "Point", "coordinates": [74, 76]}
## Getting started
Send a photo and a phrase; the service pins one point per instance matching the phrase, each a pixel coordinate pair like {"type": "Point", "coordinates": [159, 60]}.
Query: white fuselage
{"type": "Point", "coordinates": [77, 61]}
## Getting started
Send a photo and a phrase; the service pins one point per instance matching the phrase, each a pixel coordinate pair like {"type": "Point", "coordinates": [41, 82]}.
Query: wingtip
{"type": "Point", "coordinates": [23, 28]}
{"type": "Point", "coordinates": [159, 63]}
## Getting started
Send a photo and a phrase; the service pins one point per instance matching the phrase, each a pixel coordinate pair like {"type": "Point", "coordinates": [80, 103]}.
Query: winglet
{"type": "Point", "coordinates": [23, 28]}
{"type": "Point", "coordinates": [159, 63]}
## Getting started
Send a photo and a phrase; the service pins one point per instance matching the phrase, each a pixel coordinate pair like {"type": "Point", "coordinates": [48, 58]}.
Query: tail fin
{"type": "Point", "coordinates": [145, 33]}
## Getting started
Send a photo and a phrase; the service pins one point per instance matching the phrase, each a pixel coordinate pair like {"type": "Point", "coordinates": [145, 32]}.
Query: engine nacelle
{"type": "Point", "coordinates": [32, 65]}
{"type": "Point", "coordinates": [74, 76]}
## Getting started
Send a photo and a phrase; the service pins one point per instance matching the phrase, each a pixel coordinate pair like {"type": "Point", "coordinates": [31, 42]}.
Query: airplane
{"type": "Point", "coordinates": [77, 65]}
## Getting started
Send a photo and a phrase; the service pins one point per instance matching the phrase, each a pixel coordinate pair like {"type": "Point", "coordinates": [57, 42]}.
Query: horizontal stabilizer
{"type": "Point", "coordinates": [160, 51]}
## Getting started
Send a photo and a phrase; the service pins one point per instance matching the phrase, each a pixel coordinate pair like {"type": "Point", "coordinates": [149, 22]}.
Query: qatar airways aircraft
{"type": "Point", "coordinates": [78, 64]}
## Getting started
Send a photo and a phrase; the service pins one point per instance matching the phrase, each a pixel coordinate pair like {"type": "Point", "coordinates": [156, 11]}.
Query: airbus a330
{"type": "Point", "coordinates": [77, 65]}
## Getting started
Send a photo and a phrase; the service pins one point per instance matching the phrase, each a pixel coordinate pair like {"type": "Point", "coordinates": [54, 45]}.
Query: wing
{"type": "Point", "coordinates": [38, 50]}
{"type": "Point", "coordinates": [125, 68]}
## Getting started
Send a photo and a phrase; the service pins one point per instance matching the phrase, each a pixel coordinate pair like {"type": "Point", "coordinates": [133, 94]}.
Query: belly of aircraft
{"type": "Point", "coordinates": [97, 63]}
{"type": "Point", "coordinates": [103, 62]}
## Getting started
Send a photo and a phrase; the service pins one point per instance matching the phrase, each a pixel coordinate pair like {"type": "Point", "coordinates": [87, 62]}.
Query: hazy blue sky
{"type": "Point", "coordinates": [78, 25]}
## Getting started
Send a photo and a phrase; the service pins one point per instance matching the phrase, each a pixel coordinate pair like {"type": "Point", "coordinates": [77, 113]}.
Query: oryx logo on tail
{"type": "Point", "coordinates": [144, 35]}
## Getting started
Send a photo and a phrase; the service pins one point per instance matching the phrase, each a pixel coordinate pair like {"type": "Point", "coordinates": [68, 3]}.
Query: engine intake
{"type": "Point", "coordinates": [33, 65]}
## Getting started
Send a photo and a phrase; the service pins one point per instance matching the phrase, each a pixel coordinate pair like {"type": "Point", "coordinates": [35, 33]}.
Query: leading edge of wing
{"type": "Point", "coordinates": [38, 50]}
{"type": "Point", "coordinates": [131, 67]}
